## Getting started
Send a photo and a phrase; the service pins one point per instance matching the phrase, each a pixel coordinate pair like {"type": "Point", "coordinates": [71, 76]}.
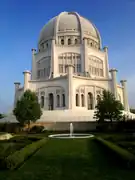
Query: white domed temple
{"type": "Point", "coordinates": [69, 70]}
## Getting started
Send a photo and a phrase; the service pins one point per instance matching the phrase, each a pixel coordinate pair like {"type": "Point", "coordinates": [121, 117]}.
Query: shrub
{"type": "Point", "coordinates": [24, 140]}
{"type": "Point", "coordinates": [14, 144]}
{"type": "Point", "coordinates": [121, 153]}
{"type": "Point", "coordinates": [17, 158]}
{"type": "Point", "coordinates": [106, 127]}
{"type": "Point", "coordinates": [117, 126]}
{"type": "Point", "coordinates": [116, 138]}
{"type": "Point", "coordinates": [36, 129]}
{"type": "Point", "coordinates": [10, 127]}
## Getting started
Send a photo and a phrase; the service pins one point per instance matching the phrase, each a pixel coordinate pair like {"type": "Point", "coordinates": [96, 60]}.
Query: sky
{"type": "Point", "coordinates": [21, 22]}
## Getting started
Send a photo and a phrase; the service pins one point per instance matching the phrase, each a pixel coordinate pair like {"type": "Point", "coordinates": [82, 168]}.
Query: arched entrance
{"type": "Point", "coordinates": [51, 107]}
{"type": "Point", "coordinates": [90, 101]}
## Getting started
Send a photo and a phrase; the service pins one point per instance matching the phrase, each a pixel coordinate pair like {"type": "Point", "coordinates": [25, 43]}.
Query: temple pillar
{"type": "Point", "coordinates": [94, 97]}
{"type": "Point", "coordinates": [114, 82]}
{"type": "Point", "coordinates": [125, 95]}
{"type": "Point", "coordinates": [34, 68]}
{"type": "Point", "coordinates": [85, 67]}
{"type": "Point", "coordinates": [17, 86]}
{"type": "Point", "coordinates": [70, 85]}
{"type": "Point", "coordinates": [27, 78]}
{"type": "Point", "coordinates": [106, 73]}
{"type": "Point", "coordinates": [53, 71]}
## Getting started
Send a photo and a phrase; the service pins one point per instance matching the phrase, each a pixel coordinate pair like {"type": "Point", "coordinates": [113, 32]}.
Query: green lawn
{"type": "Point", "coordinates": [70, 160]}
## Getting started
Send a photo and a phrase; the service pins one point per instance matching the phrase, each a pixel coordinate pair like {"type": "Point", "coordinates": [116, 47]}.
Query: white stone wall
{"type": "Point", "coordinates": [88, 86]}
{"type": "Point", "coordinates": [51, 86]}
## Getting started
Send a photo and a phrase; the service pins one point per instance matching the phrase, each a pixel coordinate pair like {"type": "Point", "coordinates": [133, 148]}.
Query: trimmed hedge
{"type": "Point", "coordinates": [14, 160]}
{"type": "Point", "coordinates": [121, 153]}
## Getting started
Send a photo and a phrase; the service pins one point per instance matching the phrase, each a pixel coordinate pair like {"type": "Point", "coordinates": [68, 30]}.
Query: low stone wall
{"type": "Point", "coordinates": [64, 126]}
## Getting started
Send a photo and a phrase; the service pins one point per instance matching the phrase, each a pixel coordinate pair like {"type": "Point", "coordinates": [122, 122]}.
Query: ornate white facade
{"type": "Point", "coordinates": [70, 69]}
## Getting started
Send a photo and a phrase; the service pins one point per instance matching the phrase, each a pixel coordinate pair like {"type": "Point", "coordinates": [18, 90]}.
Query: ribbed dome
{"type": "Point", "coordinates": [68, 22]}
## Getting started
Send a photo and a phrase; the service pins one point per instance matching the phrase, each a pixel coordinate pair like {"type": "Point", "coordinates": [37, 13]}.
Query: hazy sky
{"type": "Point", "coordinates": [22, 20]}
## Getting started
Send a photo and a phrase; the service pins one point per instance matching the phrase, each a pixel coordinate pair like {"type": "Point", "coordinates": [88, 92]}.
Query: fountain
{"type": "Point", "coordinates": [71, 134]}
{"type": "Point", "coordinates": [71, 129]}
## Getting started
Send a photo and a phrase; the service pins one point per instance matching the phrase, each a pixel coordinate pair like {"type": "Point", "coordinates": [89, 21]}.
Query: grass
{"type": "Point", "coordinates": [70, 159]}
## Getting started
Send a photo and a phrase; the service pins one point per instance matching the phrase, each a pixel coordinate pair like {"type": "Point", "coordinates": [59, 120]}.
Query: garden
{"type": "Point", "coordinates": [70, 159]}
{"type": "Point", "coordinates": [30, 154]}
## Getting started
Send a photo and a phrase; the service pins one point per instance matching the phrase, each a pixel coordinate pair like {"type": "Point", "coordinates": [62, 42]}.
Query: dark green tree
{"type": "Point", "coordinates": [132, 110]}
{"type": "Point", "coordinates": [27, 109]}
{"type": "Point", "coordinates": [108, 107]}
{"type": "Point", "coordinates": [1, 116]}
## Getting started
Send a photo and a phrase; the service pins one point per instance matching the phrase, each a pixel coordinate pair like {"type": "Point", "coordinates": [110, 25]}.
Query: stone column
{"type": "Point", "coordinates": [114, 82]}
{"type": "Point", "coordinates": [34, 68]}
{"type": "Point", "coordinates": [72, 40]}
{"type": "Point", "coordinates": [106, 73]}
{"type": "Point", "coordinates": [125, 95]}
{"type": "Point", "coordinates": [53, 67]}
{"type": "Point", "coordinates": [84, 53]}
{"type": "Point", "coordinates": [17, 86]}
{"type": "Point", "coordinates": [46, 101]}
{"type": "Point", "coordinates": [86, 98]}
{"type": "Point", "coordinates": [70, 86]}
{"type": "Point", "coordinates": [94, 97]}
{"type": "Point", "coordinates": [27, 77]}
{"type": "Point", "coordinates": [54, 100]}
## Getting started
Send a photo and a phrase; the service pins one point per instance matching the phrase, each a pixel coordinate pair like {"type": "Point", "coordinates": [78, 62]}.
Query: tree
{"type": "Point", "coordinates": [1, 116]}
{"type": "Point", "coordinates": [132, 111]}
{"type": "Point", "coordinates": [27, 108]}
{"type": "Point", "coordinates": [108, 107]}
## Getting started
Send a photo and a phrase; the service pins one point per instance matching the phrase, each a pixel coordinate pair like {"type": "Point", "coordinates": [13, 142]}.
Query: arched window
{"type": "Point", "coordinates": [69, 41]}
{"type": "Point", "coordinates": [58, 100]}
{"type": "Point", "coordinates": [90, 101]}
{"type": "Point", "coordinates": [91, 44]}
{"type": "Point", "coordinates": [62, 41]}
{"type": "Point", "coordinates": [63, 100]}
{"type": "Point", "coordinates": [42, 101]}
{"type": "Point", "coordinates": [82, 100]}
{"type": "Point", "coordinates": [47, 45]}
{"type": "Point", "coordinates": [76, 41]}
{"type": "Point", "coordinates": [77, 100]}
